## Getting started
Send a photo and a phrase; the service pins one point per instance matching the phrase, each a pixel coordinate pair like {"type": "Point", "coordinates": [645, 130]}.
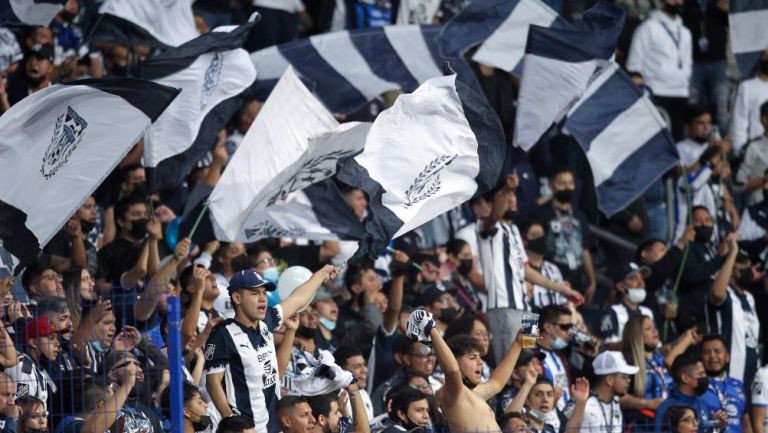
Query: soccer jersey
{"type": "Point", "coordinates": [248, 359]}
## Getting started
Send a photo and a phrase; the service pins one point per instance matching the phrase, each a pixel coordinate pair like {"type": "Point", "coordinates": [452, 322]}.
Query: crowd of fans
{"type": "Point", "coordinates": [649, 320]}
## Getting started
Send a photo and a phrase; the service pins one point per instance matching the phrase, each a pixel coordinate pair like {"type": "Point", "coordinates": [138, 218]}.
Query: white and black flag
{"type": "Point", "coordinates": [157, 23]}
{"type": "Point", "coordinates": [213, 72]}
{"type": "Point", "coordinates": [59, 144]}
{"type": "Point", "coordinates": [430, 152]}
{"type": "Point", "coordinates": [273, 185]}
{"type": "Point", "coordinates": [29, 12]}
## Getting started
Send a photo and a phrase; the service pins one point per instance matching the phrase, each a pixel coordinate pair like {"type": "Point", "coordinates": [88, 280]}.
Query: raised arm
{"type": "Point", "coordinates": [522, 395]}
{"type": "Point", "coordinates": [503, 371]}
{"type": "Point", "coordinates": [501, 202]}
{"type": "Point", "coordinates": [719, 289]}
{"type": "Point", "coordinates": [192, 315]}
{"type": "Point", "coordinates": [535, 277]}
{"type": "Point", "coordinates": [453, 382]}
{"type": "Point", "coordinates": [400, 267]}
{"type": "Point", "coordinates": [101, 419]}
{"type": "Point", "coordinates": [579, 394]}
{"type": "Point", "coordinates": [145, 306]}
{"type": "Point", "coordinates": [285, 350]}
{"type": "Point", "coordinates": [304, 293]}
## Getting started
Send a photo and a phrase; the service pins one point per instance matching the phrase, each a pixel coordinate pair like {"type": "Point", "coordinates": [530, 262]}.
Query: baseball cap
{"type": "Point", "coordinates": [626, 269]}
{"type": "Point", "coordinates": [116, 357]}
{"type": "Point", "coordinates": [526, 355]}
{"type": "Point", "coordinates": [612, 362]}
{"type": "Point", "coordinates": [42, 51]}
{"type": "Point", "coordinates": [40, 327]}
{"type": "Point", "coordinates": [248, 279]}
{"type": "Point", "coordinates": [430, 293]}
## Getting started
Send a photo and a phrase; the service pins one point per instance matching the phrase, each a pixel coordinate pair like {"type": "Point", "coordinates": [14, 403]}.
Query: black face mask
{"type": "Point", "coordinates": [240, 263]}
{"type": "Point", "coordinates": [716, 373]}
{"type": "Point", "coordinates": [563, 195]}
{"type": "Point", "coordinates": [649, 348]}
{"type": "Point", "coordinates": [34, 82]}
{"type": "Point", "coordinates": [510, 215]}
{"type": "Point", "coordinates": [702, 384]}
{"type": "Point", "coordinates": [67, 16]}
{"type": "Point", "coordinates": [449, 314]}
{"type": "Point", "coordinates": [139, 228]}
{"type": "Point", "coordinates": [465, 267]}
{"type": "Point", "coordinates": [703, 233]}
{"type": "Point", "coordinates": [202, 424]}
{"type": "Point", "coordinates": [86, 226]}
{"type": "Point", "coordinates": [140, 188]}
{"type": "Point", "coordinates": [37, 430]}
{"type": "Point", "coordinates": [700, 140]}
{"type": "Point", "coordinates": [763, 66]}
{"type": "Point", "coordinates": [538, 245]}
{"type": "Point", "coordinates": [745, 279]}
{"type": "Point", "coordinates": [673, 9]}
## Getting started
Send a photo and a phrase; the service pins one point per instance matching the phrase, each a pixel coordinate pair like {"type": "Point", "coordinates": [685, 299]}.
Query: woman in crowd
{"type": "Point", "coordinates": [681, 419]}
{"type": "Point", "coordinates": [79, 287]}
{"type": "Point", "coordinates": [459, 266]}
{"type": "Point", "coordinates": [476, 327]}
{"type": "Point", "coordinates": [33, 417]}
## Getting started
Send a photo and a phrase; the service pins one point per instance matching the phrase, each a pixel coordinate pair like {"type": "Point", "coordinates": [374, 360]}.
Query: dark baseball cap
{"type": "Point", "coordinates": [627, 269]}
{"type": "Point", "coordinates": [431, 292]}
{"type": "Point", "coordinates": [41, 51]}
{"type": "Point", "coordinates": [248, 279]}
{"type": "Point", "coordinates": [526, 355]}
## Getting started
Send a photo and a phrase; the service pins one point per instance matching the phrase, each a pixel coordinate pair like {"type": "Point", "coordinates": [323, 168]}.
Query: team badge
{"type": "Point", "coordinates": [67, 134]}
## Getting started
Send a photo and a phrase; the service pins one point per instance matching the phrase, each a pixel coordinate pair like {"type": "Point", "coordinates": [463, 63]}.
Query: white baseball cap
{"type": "Point", "coordinates": [612, 362]}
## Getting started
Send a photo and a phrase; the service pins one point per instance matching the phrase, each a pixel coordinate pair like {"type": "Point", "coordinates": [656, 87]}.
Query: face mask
{"type": "Point", "coordinates": [541, 416]}
{"type": "Point", "coordinates": [140, 188]}
{"type": "Point", "coordinates": [745, 279]}
{"type": "Point", "coordinates": [703, 233]}
{"type": "Point", "coordinates": [559, 344]}
{"type": "Point", "coordinates": [563, 195]}
{"type": "Point", "coordinates": [716, 373]}
{"type": "Point", "coordinates": [203, 424]}
{"type": "Point", "coordinates": [449, 314]}
{"type": "Point", "coordinates": [636, 295]}
{"type": "Point", "coordinates": [86, 226]}
{"type": "Point", "coordinates": [702, 384]}
{"type": "Point", "coordinates": [673, 9]}
{"type": "Point", "coordinates": [97, 345]}
{"type": "Point", "coordinates": [763, 66]}
{"type": "Point", "coordinates": [700, 140]}
{"type": "Point", "coordinates": [538, 245]}
{"type": "Point", "coordinates": [649, 348]}
{"type": "Point", "coordinates": [271, 274]}
{"type": "Point", "coordinates": [240, 263]}
{"type": "Point", "coordinates": [139, 228]}
{"type": "Point", "coordinates": [327, 323]}
{"type": "Point", "coordinates": [37, 430]}
{"type": "Point", "coordinates": [67, 16]}
{"type": "Point", "coordinates": [465, 267]}
{"type": "Point", "coordinates": [509, 215]}
{"type": "Point", "coordinates": [119, 71]}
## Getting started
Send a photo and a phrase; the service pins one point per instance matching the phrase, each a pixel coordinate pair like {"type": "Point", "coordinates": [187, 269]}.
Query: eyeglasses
{"type": "Point", "coordinates": [267, 261]}
{"type": "Point", "coordinates": [136, 363]}
{"type": "Point", "coordinates": [421, 386]}
{"type": "Point", "coordinates": [690, 419]}
{"type": "Point", "coordinates": [565, 326]}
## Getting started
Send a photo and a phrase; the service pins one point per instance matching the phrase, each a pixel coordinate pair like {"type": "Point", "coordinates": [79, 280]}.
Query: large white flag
{"type": "Point", "coordinates": [164, 23]}
{"type": "Point", "coordinates": [35, 13]}
{"type": "Point", "coordinates": [277, 158]}
{"type": "Point", "coordinates": [56, 147]}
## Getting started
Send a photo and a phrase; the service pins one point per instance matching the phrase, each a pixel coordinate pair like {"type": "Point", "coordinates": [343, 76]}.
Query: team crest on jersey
{"type": "Point", "coordinates": [211, 79]}
{"type": "Point", "coordinates": [22, 389]}
{"type": "Point", "coordinates": [607, 324]}
{"type": "Point", "coordinates": [209, 349]}
{"type": "Point", "coordinates": [67, 134]}
{"type": "Point", "coordinates": [428, 182]}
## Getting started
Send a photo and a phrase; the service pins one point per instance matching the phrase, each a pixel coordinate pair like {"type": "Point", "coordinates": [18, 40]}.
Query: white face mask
{"type": "Point", "coordinates": [636, 295]}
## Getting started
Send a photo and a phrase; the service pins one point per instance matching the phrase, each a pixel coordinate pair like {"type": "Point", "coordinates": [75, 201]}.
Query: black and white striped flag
{"type": "Point", "coordinates": [158, 23]}
{"type": "Point", "coordinates": [30, 12]}
{"type": "Point", "coordinates": [59, 144]}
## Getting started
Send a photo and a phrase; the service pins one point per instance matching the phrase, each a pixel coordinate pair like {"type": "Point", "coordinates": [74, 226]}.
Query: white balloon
{"type": "Point", "coordinates": [290, 279]}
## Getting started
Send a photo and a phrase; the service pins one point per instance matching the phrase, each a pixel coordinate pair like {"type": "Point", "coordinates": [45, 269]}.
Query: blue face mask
{"type": "Point", "coordinates": [271, 275]}
{"type": "Point", "coordinates": [97, 345]}
{"type": "Point", "coordinates": [327, 323]}
{"type": "Point", "coordinates": [559, 344]}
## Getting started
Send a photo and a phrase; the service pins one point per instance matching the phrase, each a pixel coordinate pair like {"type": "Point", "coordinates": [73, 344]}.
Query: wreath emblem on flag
{"type": "Point", "coordinates": [67, 134]}
{"type": "Point", "coordinates": [428, 182]}
{"type": "Point", "coordinates": [266, 229]}
{"type": "Point", "coordinates": [211, 79]}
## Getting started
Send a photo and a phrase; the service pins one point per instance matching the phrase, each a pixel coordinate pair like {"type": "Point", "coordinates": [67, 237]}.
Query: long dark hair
{"type": "Point", "coordinates": [672, 418]}
{"type": "Point", "coordinates": [72, 278]}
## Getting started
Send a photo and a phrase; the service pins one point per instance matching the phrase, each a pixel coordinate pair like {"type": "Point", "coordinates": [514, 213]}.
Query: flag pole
{"type": "Point", "coordinates": [414, 264]}
{"type": "Point", "coordinates": [199, 218]}
{"type": "Point", "coordinates": [689, 205]}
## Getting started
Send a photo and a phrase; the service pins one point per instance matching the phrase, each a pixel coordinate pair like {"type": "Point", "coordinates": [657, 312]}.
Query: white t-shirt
{"type": "Point", "coordinates": [223, 304]}
{"type": "Point", "coordinates": [603, 417]}
{"type": "Point", "coordinates": [760, 391]}
{"type": "Point", "coordinates": [291, 6]}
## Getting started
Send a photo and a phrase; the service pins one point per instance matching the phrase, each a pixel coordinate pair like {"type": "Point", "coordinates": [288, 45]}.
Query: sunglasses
{"type": "Point", "coordinates": [125, 364]}
{"type": "Point", "coordinates": [565, 326]}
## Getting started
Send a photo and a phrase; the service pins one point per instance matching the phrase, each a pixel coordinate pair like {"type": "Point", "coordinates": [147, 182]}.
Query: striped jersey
{"type": "Point", "coordinates": [248, 359]}
{"type": "Point", "coordinates": [503, 260]}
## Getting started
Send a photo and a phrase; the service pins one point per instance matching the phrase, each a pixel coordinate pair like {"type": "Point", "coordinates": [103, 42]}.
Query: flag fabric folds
{"type": "Point", "coordinates": [430, 152]}
{"type": "Point", "coordinates": [34, 13]}
{"type": "Point", "coordinates": [58, 145]}
{"type": "Point", "coordinates": [625, 139]}
{"type": "Point", "coordinates": [747, 20]}
{"type": "Point", "coordinates": [347, 69]}
{"type": "Point", "coordinates": [262, 191]}
{"type": "Point", "coordinates": [557, 67]}
{"type": "Point", "coordinates": [158, 23]}
{"type": "Point", "coordinates": [500, 27]}
{"type": "Point", "coordinates": [213, 71]}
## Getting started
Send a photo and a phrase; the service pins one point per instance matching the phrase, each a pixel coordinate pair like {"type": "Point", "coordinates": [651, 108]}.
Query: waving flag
{"type": "Point", "coordinates": [430, 152]}
{"type": "Point", "coordinates": [30, 12]}
{"type": "Point", "coordinates": [558, 66]}
{"type": "Point", "coordinates": [626, 141]}
{"type": "Point", "coordinates": [158, 23]}
{"type": "Point", "coordinates": [346, 70]}
{"type": "Point", "coordinates": [500, 27]}
{"type": "Point", "coordinates": [213, 72]}
{"type": "Point", "coordinates": [59, 144]}
{"type": "Point", "coordinates": [250, 203]}
{"type": "Point", "coordinates": [749, 39]}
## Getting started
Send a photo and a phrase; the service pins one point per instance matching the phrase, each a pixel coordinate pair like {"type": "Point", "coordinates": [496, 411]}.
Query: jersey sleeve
{"type": "Point", "coordinates": [217, 350]}
{"type": "Point", "coordinates": [760, 388]}
{"type": "Point", "coordinates": [609, 327]}
{"type": "Point", "coordinates": [274, 317]}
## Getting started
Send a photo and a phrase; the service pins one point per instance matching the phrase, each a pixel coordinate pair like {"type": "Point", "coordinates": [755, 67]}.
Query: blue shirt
{"type": "Point", "coordinates": [730, 393]}
{"type": "Point", "coordinates": [704, 405]}
{"type": "Point", "coordinates": [658, 381]}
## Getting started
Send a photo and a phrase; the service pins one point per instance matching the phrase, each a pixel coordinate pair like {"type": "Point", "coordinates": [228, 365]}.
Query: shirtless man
{"type": "Point", "coordinates": [463, 397]}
